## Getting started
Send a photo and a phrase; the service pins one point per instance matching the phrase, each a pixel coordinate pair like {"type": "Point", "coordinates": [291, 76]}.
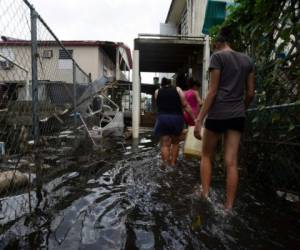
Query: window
{"type": "Point", "coordinates": [47, 53]}
{"type": "Point", "coordinates": [8, 56]}
{"type": "Point", "coordinates": [64, 55]}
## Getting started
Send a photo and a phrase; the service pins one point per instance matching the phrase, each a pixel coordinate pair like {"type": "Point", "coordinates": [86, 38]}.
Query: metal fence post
{"type": "Point", "coordinates": [90, 86]}
{"type": "Point", "coordinates": [34, 71]}
{"type": "Point", "coordinates": [74, 94]}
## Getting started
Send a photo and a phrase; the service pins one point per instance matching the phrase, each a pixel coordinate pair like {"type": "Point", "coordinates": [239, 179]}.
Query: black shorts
{"type": "Point", "coordinates": [221, 126]}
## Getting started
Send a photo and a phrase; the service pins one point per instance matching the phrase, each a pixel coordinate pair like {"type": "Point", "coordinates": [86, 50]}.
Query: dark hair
{"type": "Point", "coordinates": [192, 82]}
{"type": "Point", "coordinates": [224, 35]}
{"type": "Point", "coordinates": [165, 82]}
{"type": "Point", "coordinates": [197, 83]}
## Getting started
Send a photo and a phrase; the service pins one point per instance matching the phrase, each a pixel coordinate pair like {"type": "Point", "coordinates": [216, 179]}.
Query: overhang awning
{"type": "Point", "coordinates": [167, 54]}
{"type": "Point", "coordinates": [215, 14]}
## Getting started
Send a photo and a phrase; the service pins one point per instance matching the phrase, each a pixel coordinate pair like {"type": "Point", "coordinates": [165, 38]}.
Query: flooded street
{"type": "Point", "coordinates": [80, 81]}
{"type": "Point", "coordinates": [116, 197]}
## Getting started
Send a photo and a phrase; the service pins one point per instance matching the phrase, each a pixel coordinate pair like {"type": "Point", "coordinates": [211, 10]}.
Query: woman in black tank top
{"type": "Point", "coordinates": [170, 103]}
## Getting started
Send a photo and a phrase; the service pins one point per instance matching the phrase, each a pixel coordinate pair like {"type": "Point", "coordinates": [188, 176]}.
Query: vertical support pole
{"type": "Point", "coordinates": [129, 98]}
{"type": "Point", "coordinates": [136, 92]}
{"type": "Point", "coordinates": [74, 94]}
{"type": "Point", "coordinates": [118, 73]}
{"type": "Point", "coordinates": [153, 104]}
{"type": "Point", "coordinates": [90, 86]}
{"type": "Point", "coordinates": [27, 89]}
{"type": "Point", "coordinates": [190, 69]}
{"type": "Point", "coordinates": [35, 106]}
{"type": "Point", "coordinates": [34, 72]}
{"type": "Point", "coordinates": [128, 75]}
{"type": "Point", "coordinates": [205, 65]}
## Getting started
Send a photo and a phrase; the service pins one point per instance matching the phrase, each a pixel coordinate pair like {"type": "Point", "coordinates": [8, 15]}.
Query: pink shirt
{"type": "Point", "coordinates": [191, 98]}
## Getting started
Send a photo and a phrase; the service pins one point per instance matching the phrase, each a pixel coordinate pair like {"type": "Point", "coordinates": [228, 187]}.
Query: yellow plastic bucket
{"type": "Point", "coordinates": [192, 146]}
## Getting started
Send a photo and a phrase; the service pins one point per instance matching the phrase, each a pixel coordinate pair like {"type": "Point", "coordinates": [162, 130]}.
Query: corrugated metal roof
{"type": "Point", "coordinates": [79, 43]}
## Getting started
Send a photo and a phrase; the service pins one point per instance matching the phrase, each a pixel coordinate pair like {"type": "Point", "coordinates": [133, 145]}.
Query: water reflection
{"type": "Point", "coordinates": [116, 197]}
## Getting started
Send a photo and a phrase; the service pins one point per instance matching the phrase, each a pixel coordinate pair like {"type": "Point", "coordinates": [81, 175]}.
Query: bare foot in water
{"type": "Point", "coordinates": [228, 206]}
{"type": "Point", "coordinates": [199, 193]}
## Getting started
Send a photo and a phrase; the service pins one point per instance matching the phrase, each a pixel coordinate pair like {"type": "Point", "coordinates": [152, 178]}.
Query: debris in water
{"type": "Point", "coordinates": [12, 178]}
{"type": "Point", "coordinates": [197, 223]}
{"type": "Point", "coordinates": [288, 196]}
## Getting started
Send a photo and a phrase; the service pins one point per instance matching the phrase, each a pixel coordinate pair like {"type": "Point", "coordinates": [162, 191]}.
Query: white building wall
{"type": "Point", "coordinates": [200, 17]}
{"type": "Point", "coordinates": [50, 68]}
{"type": "Point", "coordinates": [195, 15]}
{"type": "Point", "coordinates": [91, 59]}
{"type": "Point", "coordinates": [87, 59]}
{"type": "Point", "coordinates": [189, 17]}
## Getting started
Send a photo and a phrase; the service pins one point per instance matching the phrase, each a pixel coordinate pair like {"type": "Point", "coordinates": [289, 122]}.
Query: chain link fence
{"type": "Point", "coordinates": [40, 87]}
{"type": "Point", "coordinates": [271, 148]}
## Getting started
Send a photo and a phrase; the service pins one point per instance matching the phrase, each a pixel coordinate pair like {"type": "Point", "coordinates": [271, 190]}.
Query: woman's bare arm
{"type": "Point", "coordinates": [210, 97]}
{"type": "Point", "coordinates": [198, 98]}
{"type": "Point", "coordinates": [250, 88]}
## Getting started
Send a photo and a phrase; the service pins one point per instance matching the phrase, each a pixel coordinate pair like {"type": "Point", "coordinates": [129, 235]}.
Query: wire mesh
{"type": "Point", "coordinates": [15, 74]}
{"type": "Point", "coordinates": [27, 167]}
{"type": "Point", "coordinates": [271, 146]}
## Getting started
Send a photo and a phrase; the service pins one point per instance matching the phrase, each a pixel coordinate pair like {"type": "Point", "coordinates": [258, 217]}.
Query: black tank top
{"type": "Point", "coordinates": [168, 101]}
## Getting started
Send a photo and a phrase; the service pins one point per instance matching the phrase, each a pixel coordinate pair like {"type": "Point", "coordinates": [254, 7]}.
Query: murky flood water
{"type": "Point", "coordinates": [116, 197]}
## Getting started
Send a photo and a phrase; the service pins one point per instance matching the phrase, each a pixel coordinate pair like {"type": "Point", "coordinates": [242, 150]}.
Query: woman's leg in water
{"type": "Point", "coordinates": [210, 141]}
{"type": "Point", "coordinates": [174, 150]}
{"type": "Point", "coordinates": [231, 143]}
{"type": "Point", "coordinates": [165, 148]}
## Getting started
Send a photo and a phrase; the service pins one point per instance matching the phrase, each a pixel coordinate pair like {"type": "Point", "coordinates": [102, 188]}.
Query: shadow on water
{"type": "Point", "coordinates": [117, 197]}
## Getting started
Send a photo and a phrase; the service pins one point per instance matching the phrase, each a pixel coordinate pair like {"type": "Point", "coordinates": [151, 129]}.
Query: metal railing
{"type": "Point", "coordinates": [181, 37]}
